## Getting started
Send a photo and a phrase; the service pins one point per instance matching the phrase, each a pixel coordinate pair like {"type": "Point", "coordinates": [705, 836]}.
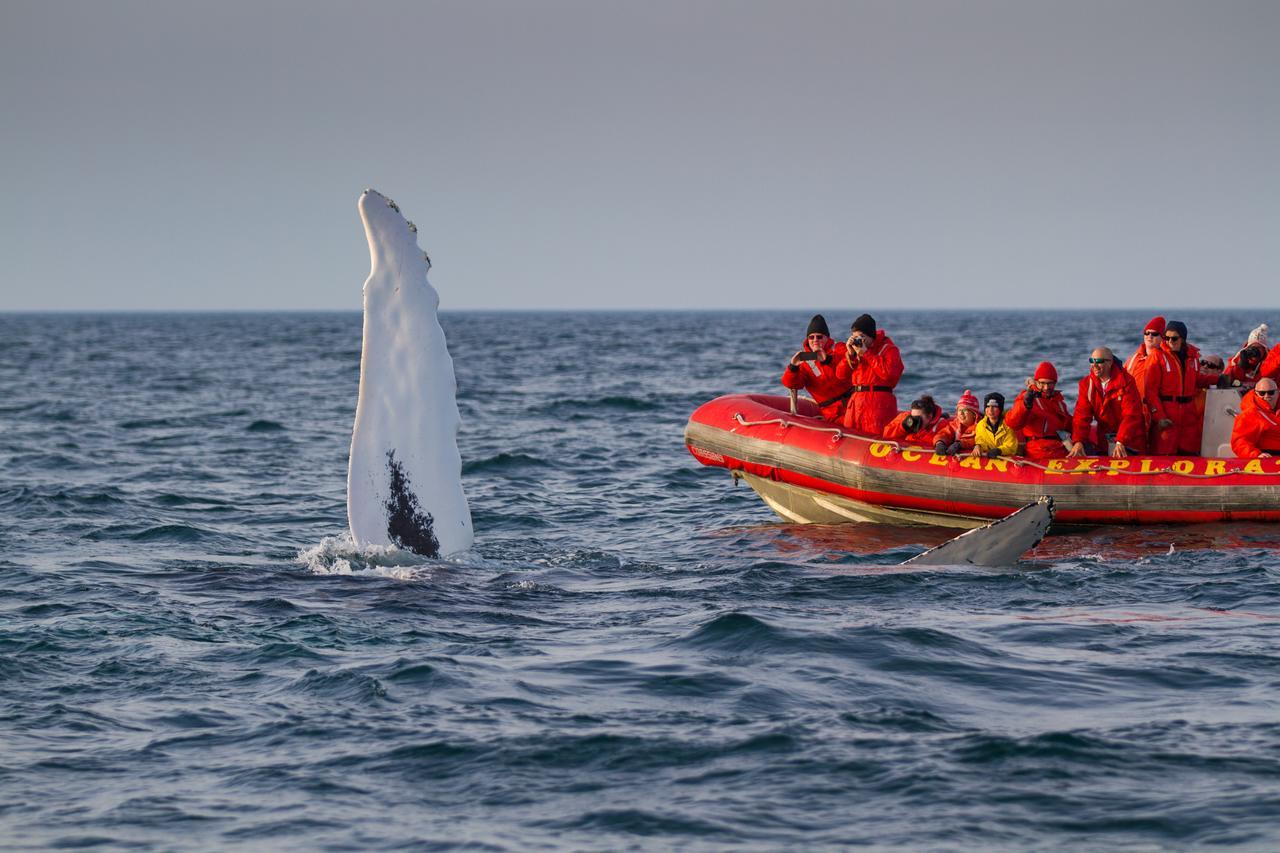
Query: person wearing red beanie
{"type": "Point", "coordinates": [1147, 361]}
{"type": "Point", "coordinates": [1039, 413]}
{"type": "Point", "coordinates": [957, 437]}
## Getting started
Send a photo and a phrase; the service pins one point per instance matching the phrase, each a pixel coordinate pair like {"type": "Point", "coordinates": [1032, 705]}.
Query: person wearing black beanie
{"type": "Point", "coordinates": [816, 369]}
{"type": "Point", "coordinates": [993, 437]}
{"type": "Point", "coordinates": [873, 365]}
{"type": "Point", "coordinates": [1179, 422]}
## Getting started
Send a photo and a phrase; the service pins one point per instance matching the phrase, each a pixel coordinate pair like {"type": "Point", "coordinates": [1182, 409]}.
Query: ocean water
{"type": "Point", "coordinates": [636, 654]}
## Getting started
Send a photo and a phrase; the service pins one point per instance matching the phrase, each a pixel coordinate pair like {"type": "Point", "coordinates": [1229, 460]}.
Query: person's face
{"type": "Point", "coordinates": [1151, 338]}
{"type": "Point", "coordinates": [967, 416]}
{"type": "Point", "coordinates": [817, 341]}
{"type": "Point", "coordinates": [1100, 364]}
{"type": "Point", "coordinates": [1174, 340]}
{"type": "Point", "coordinates": [993, 412]}
{"type": "Point", "coordinates": [1046, 386]}
{"type": "Point", "coordinates": [1266, 390]}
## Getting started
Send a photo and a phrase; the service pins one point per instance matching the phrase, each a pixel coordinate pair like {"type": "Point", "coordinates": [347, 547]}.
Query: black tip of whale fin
{"type": "Point", "coordinates": [407, 525]}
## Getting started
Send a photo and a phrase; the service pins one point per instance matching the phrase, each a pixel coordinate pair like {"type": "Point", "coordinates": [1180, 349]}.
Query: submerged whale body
{"type": "Point", "coordinates": [404, 480]}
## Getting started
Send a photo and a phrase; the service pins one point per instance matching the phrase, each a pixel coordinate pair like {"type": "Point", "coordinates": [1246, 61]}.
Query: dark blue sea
{"type": "Point", "coordinates": [636, 655]}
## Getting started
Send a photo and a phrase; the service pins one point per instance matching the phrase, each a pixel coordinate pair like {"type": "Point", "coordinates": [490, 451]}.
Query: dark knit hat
{"type": "Point", "coordinates": [1177, 326]}
{"type": "Point", "coordinates": [865, 324]}
{"type": "Point", "coordinates": [993, 397]}
{"type": "Point", "coordinates": [818, 325]}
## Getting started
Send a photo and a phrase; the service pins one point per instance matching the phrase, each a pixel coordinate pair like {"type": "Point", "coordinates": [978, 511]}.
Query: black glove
{"type": "Point", "coordinates": [1224, 381]}
{"type": "Point", "coordinates": [940, 447]}
{"type": "Point", "coordinates": [1030, 396]}
{"type": "Point", "coordinates": [993, 453]}
{"type": "Point", "coordinates": [954, 449]}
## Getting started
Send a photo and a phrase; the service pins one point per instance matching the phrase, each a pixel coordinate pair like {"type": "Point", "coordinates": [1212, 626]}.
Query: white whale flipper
{"type": "Point", "coordinates": [1000, 543]}
{"type": "Point", "coordinates": [404, 483]}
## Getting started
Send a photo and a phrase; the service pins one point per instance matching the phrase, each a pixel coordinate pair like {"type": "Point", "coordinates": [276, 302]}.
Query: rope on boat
{"type": "Point", "coordinates": [838, 434]}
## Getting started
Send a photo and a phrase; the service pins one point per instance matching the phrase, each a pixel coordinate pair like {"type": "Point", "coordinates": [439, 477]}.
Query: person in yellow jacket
{"type": "Point", "coordinates": [992, 436]}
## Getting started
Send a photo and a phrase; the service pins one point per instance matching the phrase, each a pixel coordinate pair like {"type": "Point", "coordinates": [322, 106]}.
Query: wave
{"type": "Point", "coordinates": [265, 426]}
{"type": "Point", "coordinates": [612, 404]}
{"type": "Point", "coordinates": [504, 462]}
{"type": "Point", "coordinates": [181, 533]}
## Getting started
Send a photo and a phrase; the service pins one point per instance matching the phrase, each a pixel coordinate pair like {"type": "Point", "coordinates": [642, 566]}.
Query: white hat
{"type": "Point", "coordinates": [1258, 336]}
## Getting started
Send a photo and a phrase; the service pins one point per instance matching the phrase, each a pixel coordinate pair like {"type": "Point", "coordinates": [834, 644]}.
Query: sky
{"type": "Point", "coordinates": [679, 155]}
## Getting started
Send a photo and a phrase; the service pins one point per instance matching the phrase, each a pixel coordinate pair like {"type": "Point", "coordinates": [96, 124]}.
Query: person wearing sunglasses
{"type": "Point", "coordinates": [1152, 337]}
{"type": "Point", "coordinates": [1256, 432]}
{"type": "Point", "coordinates": [1039, 414]}
{"type": "Point", "coordinates": [1179, 421]}
{"type": "Point", "coordinates": [1108, 411]}
{"type": "Point", "coordinates": [1143, 363]}
{"type": "Point", "coordinates": [815, 369]}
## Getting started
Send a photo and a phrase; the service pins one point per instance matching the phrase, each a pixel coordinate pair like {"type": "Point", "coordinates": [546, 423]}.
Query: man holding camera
{"type": "Point", "coordinates": [1039, 414]}
{"type": "Point", "coordinates": [873, 366]}
{"type": "Point", "coordinates": [815, 369]}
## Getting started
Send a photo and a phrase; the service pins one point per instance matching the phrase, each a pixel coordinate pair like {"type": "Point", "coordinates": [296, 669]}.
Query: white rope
{"type": "Point", "coordinates": [838, 434]}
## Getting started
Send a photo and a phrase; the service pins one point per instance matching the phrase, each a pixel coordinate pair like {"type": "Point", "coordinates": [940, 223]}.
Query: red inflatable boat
{"type": "Point", "coordinates": [812, 471]}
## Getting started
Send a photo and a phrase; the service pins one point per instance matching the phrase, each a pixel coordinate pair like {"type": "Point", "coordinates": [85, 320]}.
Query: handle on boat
{"type": "Point", "coordinates": [795, 410]}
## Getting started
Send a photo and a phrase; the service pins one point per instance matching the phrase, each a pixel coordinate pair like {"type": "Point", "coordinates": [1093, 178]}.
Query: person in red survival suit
{"type": "Point", "coordinates": [815, 368]}
{"type": "Point", "coordinates": [1256, 432]}
{"type": "Point", "coordinates": [1109, 409]}
{"type": "Point", "coordinates": [1039, 413]}
{"type": "Point", "coordinates": [917, 426]}
{"type": "Point", "coordinates": [1176, 424]}
{"type": "Point", "coordinates": [1271, 364]}
{"type": "Point", "coordinates": [873, 366]}
{"type": "Point", "coordinates": [1138, 364]}
{"type": "Point", "coordinates": [1245, 367]}
{"type": "Point", "coordinates": [957, 437]}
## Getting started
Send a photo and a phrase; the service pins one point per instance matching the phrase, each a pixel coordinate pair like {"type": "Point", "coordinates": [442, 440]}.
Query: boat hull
{"type": "Point", "coordinates": [810, 471]}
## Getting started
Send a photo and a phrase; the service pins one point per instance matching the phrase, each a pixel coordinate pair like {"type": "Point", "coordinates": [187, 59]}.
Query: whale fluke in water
{"type": "Point", "coordinates": [1000, 543]}
{"type": "Point", "coordinates": [404, 480]}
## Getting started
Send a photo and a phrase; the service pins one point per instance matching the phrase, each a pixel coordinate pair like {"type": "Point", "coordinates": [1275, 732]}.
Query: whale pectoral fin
{"type": "Point", "coordinates": [408, 525]}
{"type": "Point", "coordinates": [999, 543]}
{"type": "Point", "coordinates": [404, 476]}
